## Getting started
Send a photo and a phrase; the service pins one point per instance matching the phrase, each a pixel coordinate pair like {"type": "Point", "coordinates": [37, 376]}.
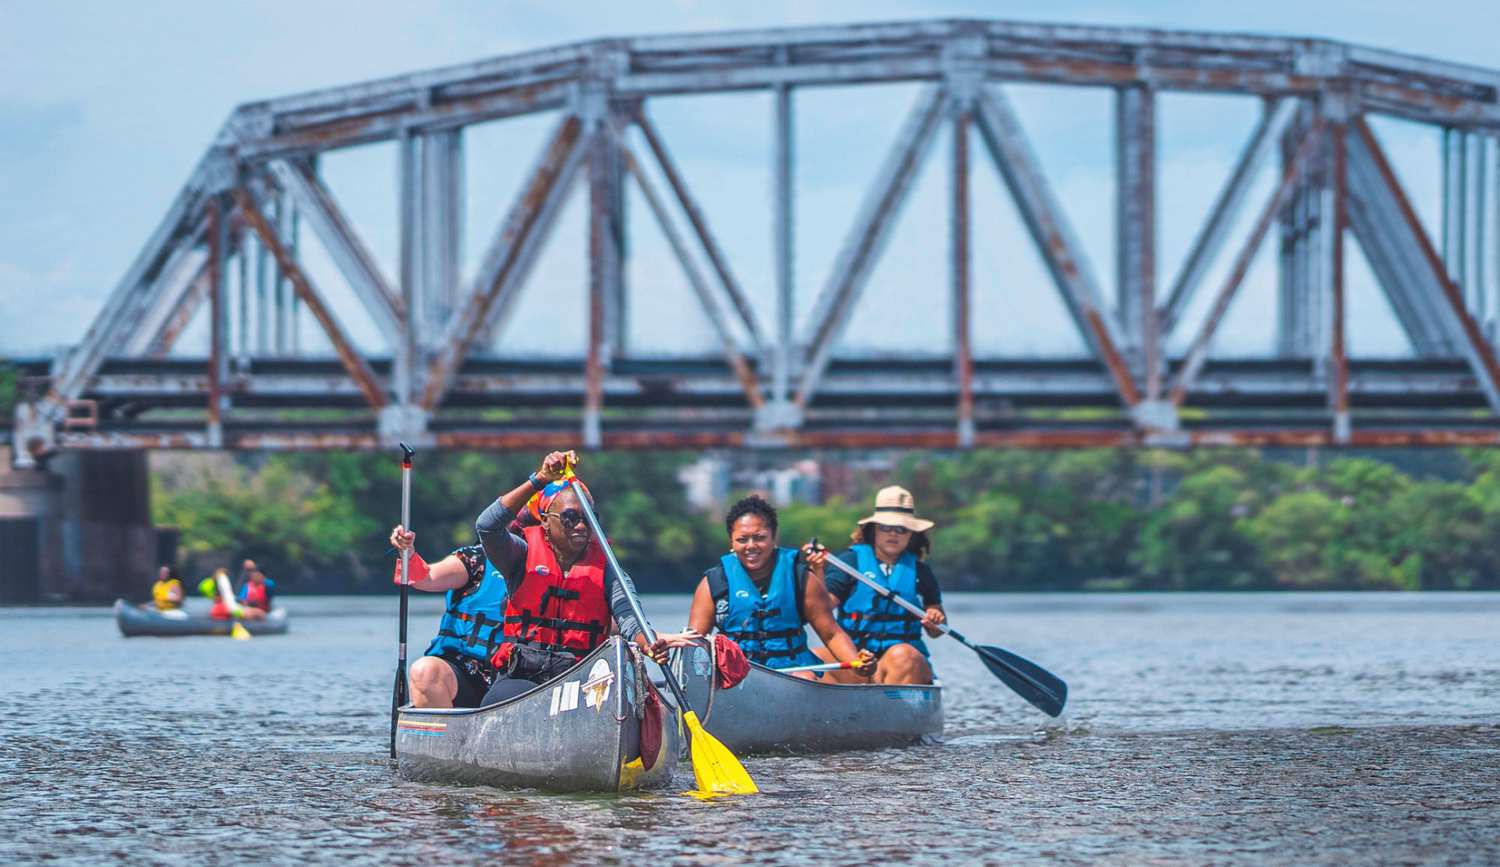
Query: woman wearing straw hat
{"type": "Point", "coordinates": [890, 545]}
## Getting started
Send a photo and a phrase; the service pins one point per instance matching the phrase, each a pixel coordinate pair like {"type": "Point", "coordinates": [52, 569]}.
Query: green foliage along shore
{"type": "Point", "coordinates": [1012, 520]}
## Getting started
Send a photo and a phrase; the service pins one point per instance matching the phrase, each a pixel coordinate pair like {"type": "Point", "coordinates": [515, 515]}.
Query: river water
{"type": "Point", "coordinates": [1319, 728]}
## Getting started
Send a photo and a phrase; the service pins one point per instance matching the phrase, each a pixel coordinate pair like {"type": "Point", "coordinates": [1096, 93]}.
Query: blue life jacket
{"type": "Point", "coordinates": [472, 622]}
{"type": "Point", "coordinates": [874, 622]}
{"type": "Point", "coordinates": [767, 627]}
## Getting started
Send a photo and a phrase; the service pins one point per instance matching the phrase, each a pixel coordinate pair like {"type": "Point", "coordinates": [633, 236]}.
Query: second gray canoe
{"type": "Point", "coordinates": [588, 730]}
{"type": "Point", "coordinates": [134, 620]}
{"type": "Point", "coordinates": [773, 712]}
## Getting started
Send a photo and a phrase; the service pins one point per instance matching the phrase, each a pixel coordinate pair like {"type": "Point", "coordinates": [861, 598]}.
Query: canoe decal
{"type": "Point", "coordinates": [564, 698]}
{"type": "Point", "coordinates": [909, 696]}
{"type": "Point", "coordinates": [422, 727]}
{"type": "Point", "coordinates": [596, 688]}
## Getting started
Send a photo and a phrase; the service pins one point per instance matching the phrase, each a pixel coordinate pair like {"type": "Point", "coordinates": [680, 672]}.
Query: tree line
{"type": "Point", "coordinates": [1007, 520]}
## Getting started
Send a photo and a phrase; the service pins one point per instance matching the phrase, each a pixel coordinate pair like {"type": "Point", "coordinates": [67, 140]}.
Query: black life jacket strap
{"type": "Point", "coordinates": [761, 634]}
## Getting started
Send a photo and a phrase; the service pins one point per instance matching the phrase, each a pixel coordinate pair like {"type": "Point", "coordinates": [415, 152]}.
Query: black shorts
{"type": "Point", "coordinates": [474, 679]}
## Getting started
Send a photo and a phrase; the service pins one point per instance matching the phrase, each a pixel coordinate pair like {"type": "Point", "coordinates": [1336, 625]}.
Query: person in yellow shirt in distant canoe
{"type": "Point", "coordinates": [166, 593]}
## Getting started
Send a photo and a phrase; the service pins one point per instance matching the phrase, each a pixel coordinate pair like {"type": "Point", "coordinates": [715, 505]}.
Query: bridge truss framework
{"type": "Point", "coordinates": [258, 188]}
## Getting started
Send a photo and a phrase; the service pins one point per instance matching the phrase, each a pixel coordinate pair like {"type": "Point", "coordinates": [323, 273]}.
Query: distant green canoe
{"type": "Point", "coordinates": [134, 621]}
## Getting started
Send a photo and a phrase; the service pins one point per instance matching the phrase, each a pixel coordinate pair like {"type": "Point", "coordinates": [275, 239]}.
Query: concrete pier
{"type": "Point", "coordinates": [78, 529]}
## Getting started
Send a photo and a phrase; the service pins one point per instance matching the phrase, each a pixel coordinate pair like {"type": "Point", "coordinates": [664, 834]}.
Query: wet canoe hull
{"type": "Point", "coordinates": [773, 712]}
{"type": "Point", "coordinates": [134, 621]}
{"type": "Point", "coordinates": [579, 732]}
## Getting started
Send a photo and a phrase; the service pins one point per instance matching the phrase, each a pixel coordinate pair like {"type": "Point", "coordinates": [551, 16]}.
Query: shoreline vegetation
{"type": "Point", "coordinates": [1089, 520]}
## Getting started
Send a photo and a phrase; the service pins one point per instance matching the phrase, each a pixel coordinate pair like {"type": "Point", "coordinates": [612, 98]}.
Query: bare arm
{"type": "Point", "coordinates": [701, 615]}
{"type": "Point", "coordinates": [446, 574]}
{"type": "Point", "coordinates": [817, 609]}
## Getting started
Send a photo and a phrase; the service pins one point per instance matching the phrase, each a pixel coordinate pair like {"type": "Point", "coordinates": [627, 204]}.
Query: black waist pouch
{"type": "Point", "coordinates": [536, 664]}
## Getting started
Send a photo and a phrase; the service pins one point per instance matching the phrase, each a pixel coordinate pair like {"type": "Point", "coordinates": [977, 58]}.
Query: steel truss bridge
{"type": "Point", "coordinates": [258, 187]}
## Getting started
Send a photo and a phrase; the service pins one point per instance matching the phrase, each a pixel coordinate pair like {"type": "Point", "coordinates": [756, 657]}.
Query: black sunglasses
{"type": "Point", "coordinates": [570, 518]}
{"type": "Point", "coordinates": [892, 528]}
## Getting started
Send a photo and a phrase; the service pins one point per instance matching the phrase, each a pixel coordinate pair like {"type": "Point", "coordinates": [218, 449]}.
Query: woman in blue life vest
{"type": "Point", "coordinates": [890, 546]}
{"type": "Point", "coordinates": [456, 670]}
{"type": "Point", "coordinates": [256, 593]}
{"type": "Point", "coordinates": [761, 596]}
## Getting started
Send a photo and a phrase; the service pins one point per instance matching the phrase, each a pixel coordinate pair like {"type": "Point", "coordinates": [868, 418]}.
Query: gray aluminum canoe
{"type": "Point", "coordinates": [773, 712]}
{"type": "Point", "coordinates": [578, 732]}
{"type": "Point", "coordinates": [134, 621]}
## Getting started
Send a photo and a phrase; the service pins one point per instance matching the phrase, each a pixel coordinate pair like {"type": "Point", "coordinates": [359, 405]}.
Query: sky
{"type": "Point", "coordinates": [106, 107]}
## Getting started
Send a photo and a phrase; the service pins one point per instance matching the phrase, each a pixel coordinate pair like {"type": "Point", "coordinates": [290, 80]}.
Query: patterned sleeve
{"type": "Point", "coordinates": [472, 556]}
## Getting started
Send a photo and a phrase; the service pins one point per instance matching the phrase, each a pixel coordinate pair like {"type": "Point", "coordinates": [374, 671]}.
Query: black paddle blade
{"type": "Point", "coordinates": [1043, 689]}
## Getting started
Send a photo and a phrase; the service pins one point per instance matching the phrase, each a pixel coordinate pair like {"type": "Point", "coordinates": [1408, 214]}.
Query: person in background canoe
{"type": "Point", "coordinates": [890, 545]}
{"type": "Point", "coordinates": [166, 593]}
{"type": "Point", "coordinates": [257, 592]}
{"type": "Point", "coordinates": [455, 671]}
{"type": "Point", "coordinates": [560, 595]}
{"type": "Point", "coordinates": [762, 596]}
{"type": "Point", "coordinates": [216, 588]}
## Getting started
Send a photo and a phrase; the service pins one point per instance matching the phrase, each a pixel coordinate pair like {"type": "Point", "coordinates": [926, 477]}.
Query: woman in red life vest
{"type": "Point", "coordinates": [256, 593]}
{"type": "Point", "coordinates": [560, 596]}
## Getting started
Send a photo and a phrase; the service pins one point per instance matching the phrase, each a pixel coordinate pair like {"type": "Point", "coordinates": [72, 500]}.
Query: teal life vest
{"type": "Point", "coordinates": [472, 622]}
{"type": "Point", "coordinates": [874, 622]}
{"type": "Point", "coordinates": [767, 627]}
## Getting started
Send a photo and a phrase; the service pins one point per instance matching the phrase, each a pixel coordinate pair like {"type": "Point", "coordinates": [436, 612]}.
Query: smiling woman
{"type": "Point", "coordinates": [763, 596]}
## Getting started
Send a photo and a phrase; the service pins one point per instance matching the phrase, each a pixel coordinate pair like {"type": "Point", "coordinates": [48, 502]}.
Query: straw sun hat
{"type": "Point", "coordinates": [894, 506]}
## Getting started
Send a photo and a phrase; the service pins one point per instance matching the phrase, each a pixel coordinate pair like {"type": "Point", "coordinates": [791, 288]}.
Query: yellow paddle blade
{"type": "Point", "coordinates": [239, 632]}
{"type": "Point", "coordinates": [715, 768]}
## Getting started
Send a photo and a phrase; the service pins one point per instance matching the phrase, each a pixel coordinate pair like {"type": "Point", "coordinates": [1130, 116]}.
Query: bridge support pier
{"type": "Point", "coordinates": [89, 518]}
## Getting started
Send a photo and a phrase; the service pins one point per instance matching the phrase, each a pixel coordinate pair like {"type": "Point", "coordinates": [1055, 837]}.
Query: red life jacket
{"type": "Point", "coordinates": [255, 596]}
{"type": "Point", "coordinates": [554, 611]}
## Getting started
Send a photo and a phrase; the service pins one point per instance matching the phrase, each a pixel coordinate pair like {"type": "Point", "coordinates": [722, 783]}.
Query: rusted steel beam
{"type": "Point", "coordinates": [1135, 222]}
{"type": "Point", "coordinates": [356, 365]}
{"type": "Point", "coordinates": [218, 280]}
{"type": "Point", "coordinates": [963, 354]}
{"type": "Point", "coordinates": [732, 354]}
{"type": "Point", "coordinates": [341, 132]}
{"type": "Point", "coordinates": [1198, 351]}
{"type": "Point", "coordinates": [170, 289]}
{"type": "Point", "coordinates": [348, 251]}
{"type": "Point", "coordinates": [699, 223]}
{"type": "Point", "coordinates": [1001, 131]}
{"type": "Point", "coordinates": [1394, 257]}
{"type": "Point", "coordinates": [161, 343]}
{"type": "Point", "coordinates": [603, 265]}
{"type": "Point", "coordinates": [1360, 438]}
{"type": "Point", "coordinates": [783, 238]}
{"type": "Point", "coordinates": [292, 440]}
{"type": "Point", "coordinates": [1210, 239]}
{"type": "Point", "coordinates": [867, 236]}
{"type": "Point", "coordinates": [182, 217]}
{"type": "Point", "coordinates": [1338, 375]}
{"type": "Point", "coordinates": [1478, 349]}
{"type": "Point", "coordinates": [506, 262]}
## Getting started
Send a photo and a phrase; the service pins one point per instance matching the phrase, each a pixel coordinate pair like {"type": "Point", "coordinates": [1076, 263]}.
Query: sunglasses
{"type": "Point", "coordinates": [892, 529]}
{"type": "Point", "coordinates": [570, 518]}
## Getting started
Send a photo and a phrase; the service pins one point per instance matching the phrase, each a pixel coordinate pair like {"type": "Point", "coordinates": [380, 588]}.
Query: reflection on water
{"type": "Point", "coordinates": [1201, 728]}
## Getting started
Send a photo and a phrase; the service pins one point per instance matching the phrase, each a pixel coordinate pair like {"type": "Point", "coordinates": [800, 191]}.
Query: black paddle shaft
{"type": "Point", "coordinates": [399, 695]}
